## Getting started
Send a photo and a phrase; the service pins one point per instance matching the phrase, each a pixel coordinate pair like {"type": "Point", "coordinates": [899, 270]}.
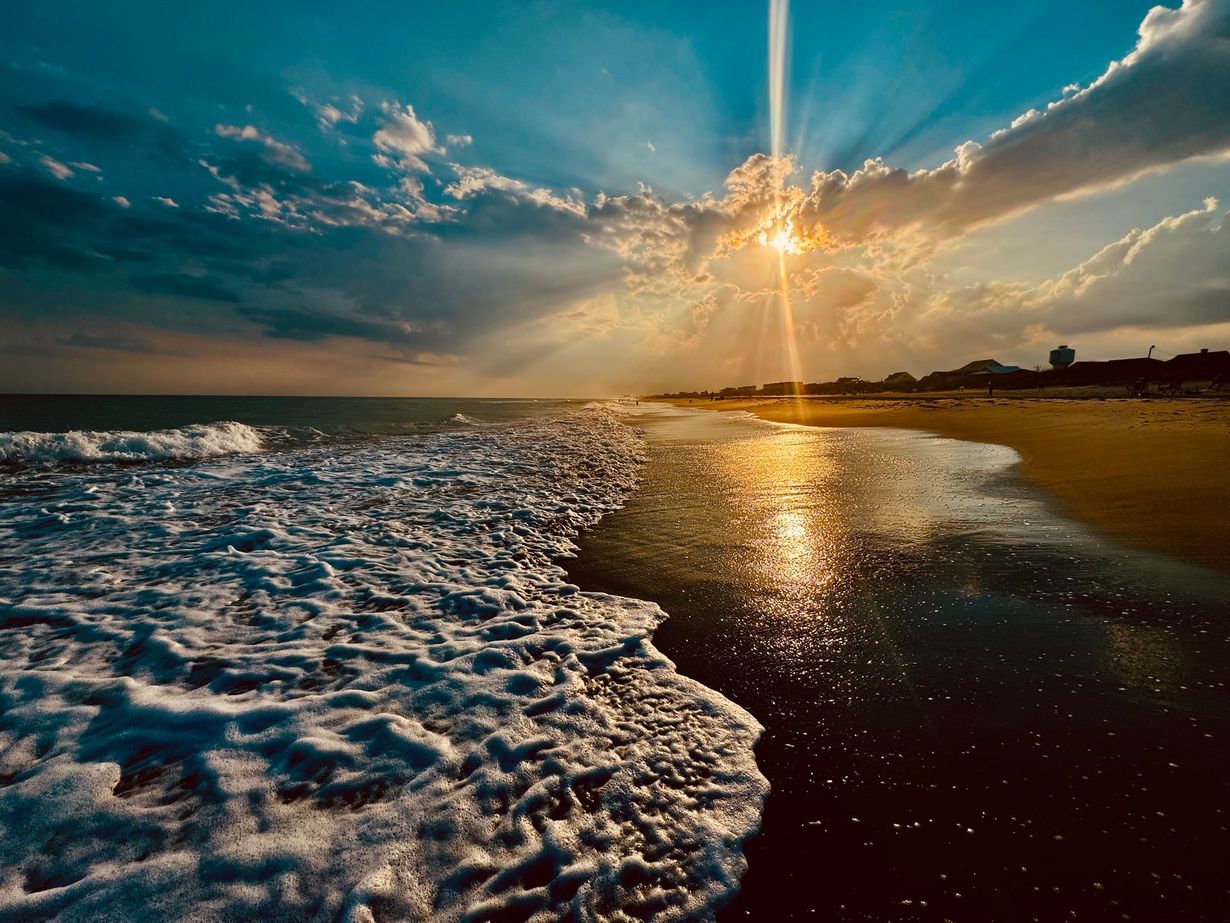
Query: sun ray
{"type": "Point", "coordinates": [781, 235]}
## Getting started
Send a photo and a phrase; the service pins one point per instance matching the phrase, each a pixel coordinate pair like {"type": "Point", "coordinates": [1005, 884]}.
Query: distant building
{"type": "Point", "coordinates": [783, 387]}
{"type": "Point", "coordinates": [900, 380]}
{"type": "Point", "coordinates": [1062, 356]}
{"type": "Point", "coordinates": [1201, 366]}
{"type": "Point", "coordinates": [957, 376]}
{"type": "Point", "coordinates": [1111, 372]}
{"type": "Point", "coordinates": [972, 368]}
{"type": "Point", "coordinates": [997, 369]}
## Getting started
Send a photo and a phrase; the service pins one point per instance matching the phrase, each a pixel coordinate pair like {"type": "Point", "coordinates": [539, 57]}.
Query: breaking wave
{"type": "Point", "coordinates": [348, 683]}
{"type": "Point", "coordinates": [204, 440]}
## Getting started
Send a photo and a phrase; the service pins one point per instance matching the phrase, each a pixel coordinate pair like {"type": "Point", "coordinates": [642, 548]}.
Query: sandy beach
{"type": "Point", "coordinates": [1152, 474]}
{"type": "Point", "coordinates": [973, 710]}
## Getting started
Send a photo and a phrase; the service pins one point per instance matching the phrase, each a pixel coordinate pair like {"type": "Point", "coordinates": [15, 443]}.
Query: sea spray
{"type": "Point", "coordinates": [206, 440]}
{"type": "Point", "coordinates": [348, 682]}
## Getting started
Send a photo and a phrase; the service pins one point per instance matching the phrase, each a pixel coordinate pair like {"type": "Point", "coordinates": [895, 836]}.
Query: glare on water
{"type": "Point", "coordinates": [1012, 709]}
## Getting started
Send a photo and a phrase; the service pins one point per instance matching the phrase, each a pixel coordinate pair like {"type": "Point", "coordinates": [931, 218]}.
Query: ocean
{"type": "Point", "coordinates": [383, 659]}
{"type": "Point", "coordinates": [315, 659]}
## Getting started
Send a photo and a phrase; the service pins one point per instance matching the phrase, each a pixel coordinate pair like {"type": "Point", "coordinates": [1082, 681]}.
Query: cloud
{"type": "Point", "coordinates": [472, 181]}
{"type": "Point", "coordinates": [1171, 279]}
{"type": "Point", "coordinates": [315, 326]}
{"type": "Point", "coordinates": [50, 224]}
{"type": "Point", "coordinates": [275, 151]}
{"type": "Point", "coordinates": [313, 206]}
{"type": "Point", "coordinates": [1157, 106]}
{"type": "Point", "coordinates": [403, 138]}
{"type": "Point", "coordinates": [90, 122]}
{"type": "Point", "coordinates": [470, 258]}
{"type": "Point", "coordinates": [100, 125]}
{"type": "Point", "coordinates": [329, 114]}
{"type": "Point", "coordinates": [476, 182]}
{"type": "Point", "coordinates": [43, 220]}
{"type": "Point", "coordinates": [1173, 274]}
{"type": "Point", "coordinates": [199, 287]}
{"type": "Point", "coordinates": [54, 167]}
{"type": "Point", "coordinates": [1160, 105]}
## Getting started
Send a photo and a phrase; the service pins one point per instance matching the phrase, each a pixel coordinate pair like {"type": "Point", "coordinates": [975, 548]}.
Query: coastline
{"type": "Point", "coordinates": [1151, 474]}
{"type": "Point", "coordinates": [968, 706]}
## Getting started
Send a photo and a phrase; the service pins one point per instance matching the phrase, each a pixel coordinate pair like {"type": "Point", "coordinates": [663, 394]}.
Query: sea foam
{"type": "Point", "coordinates": [206, 440]}
{"type": "Point", "coordinates": [347, 683]}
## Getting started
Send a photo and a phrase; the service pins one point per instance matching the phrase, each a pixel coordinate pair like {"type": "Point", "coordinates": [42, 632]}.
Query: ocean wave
{"type": "Point", "coordinates": [204, 440]}
{"type": "Point", "coordinates": [348, 683]}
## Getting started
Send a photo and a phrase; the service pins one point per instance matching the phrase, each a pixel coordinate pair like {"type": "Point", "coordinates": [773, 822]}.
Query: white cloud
{"type": "Point", "coordinates": [472, 181]}
{"type": "Point", "coordinates": [279, 152]}
{"type": "Point", "coordinates": [1160, 105]}
{"type": "Point", "coordinates": [403, 138]}
{"type": "Point", "coordinates": [121, 201]}
{"type": "Point", "coordinates": [460, 140]}
{"type": "Point", "coordinates": [167, 201]}
{"type": "Point", "coordinates": [1174, 274]}
{"type": "Point", "coordinates": [330, 113]}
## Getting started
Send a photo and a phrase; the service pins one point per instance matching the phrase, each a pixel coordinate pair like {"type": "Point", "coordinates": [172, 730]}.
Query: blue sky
{"type": "Point", "coordinates": [566, 198]}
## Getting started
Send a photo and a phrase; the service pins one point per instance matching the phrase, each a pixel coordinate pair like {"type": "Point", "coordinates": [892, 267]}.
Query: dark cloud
{"type": "Point", "coordinates": [252, 168]}
{"type": "Point", "coordinates": [419, 293]}
{"type": "Point", "coordinates": [42, 222]}
{"type": "Point", "coordinates": [111, 127]}
{"type": "Point", "coordinates": [314, 326]}
{"type": "Point", "coordinates": [84, 121]}
{"type": "Point", "coordinates": [53, 224]}
{"type": "Point", "coordinates": [199, 287]}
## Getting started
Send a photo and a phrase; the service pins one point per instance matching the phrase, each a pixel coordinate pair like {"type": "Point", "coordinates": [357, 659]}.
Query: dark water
{"type": "Point", "coordinates": [973, 710]}
{"type": "Point", "coordinates": [358, 416]}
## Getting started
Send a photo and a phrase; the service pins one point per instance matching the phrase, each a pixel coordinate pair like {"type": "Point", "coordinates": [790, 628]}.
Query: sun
{"type": "Point", "coordinates": [782, 239]}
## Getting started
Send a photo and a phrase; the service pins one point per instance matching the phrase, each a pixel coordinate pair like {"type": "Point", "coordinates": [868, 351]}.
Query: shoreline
{"type": "Point", "coordinates": [981, 721]}
{"type": "Point", "coordinates": [1151, 474]}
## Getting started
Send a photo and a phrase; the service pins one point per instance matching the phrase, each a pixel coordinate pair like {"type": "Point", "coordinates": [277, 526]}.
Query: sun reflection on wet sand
{"type": "Point", "coordinates": [933, 651]}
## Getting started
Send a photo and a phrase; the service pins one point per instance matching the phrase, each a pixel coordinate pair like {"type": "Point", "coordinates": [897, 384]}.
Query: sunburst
{"type": "Point", "coordinates": [781, 238]}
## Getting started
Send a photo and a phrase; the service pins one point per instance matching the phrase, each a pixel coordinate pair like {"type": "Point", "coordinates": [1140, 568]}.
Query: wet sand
{"type": "Point", "coordinates": [974, 709]}
{"type": "Point", "coordinates": [1152, 474]}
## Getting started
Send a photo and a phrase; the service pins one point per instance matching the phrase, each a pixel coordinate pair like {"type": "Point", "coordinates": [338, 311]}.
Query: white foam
{"type": "Point", "coordinates": [204, 440]}
{"type": "Point", "coordinates": [466, 421]}
{"type": "Point", "coordinates": [348, 683]}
